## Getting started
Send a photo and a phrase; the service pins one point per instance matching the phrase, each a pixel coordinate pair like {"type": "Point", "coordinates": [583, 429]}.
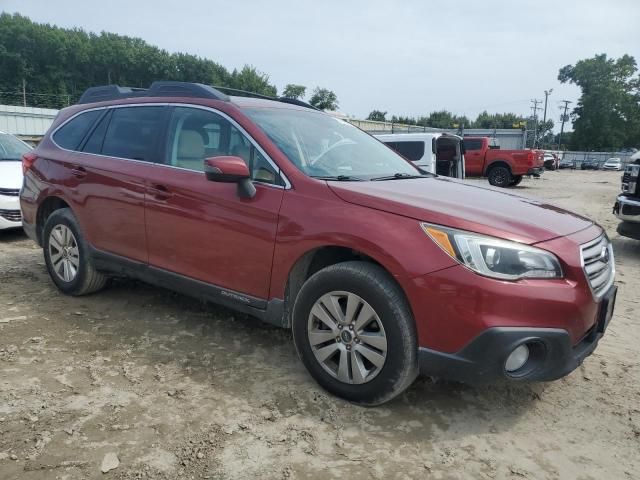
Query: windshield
{"type": "Point", "coordinates": [324, 146]}
{"type": "Point", "coordinates": [11, 148]}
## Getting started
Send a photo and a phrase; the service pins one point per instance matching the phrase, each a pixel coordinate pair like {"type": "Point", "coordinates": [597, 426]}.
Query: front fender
{"type": "Point", "coordinates": [397, 243]}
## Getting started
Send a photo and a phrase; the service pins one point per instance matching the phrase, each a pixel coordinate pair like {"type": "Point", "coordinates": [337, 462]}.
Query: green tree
{"type": "Point", "coordinates": [440, 119]}
{"type": "Point", "coordinates": [59, 64]}
{"type": "Point", "coordinates": [378, 116]}
{"type": "Point", "coordinates": [324, 99]}
{"type": "Point", "coordinates": [608, 112]}
{"type": "Point", "coordinates": [251, 80]}
{"type": "Point", "coordinates": [498, 120]}
{"type": "Point", "coordinates": [297, 92]}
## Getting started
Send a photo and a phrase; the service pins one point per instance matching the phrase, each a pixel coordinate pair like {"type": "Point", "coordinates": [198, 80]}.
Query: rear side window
{"type": "Point", "coordinates": [96, 138]}
{"type": "Point", "coordinates": [71, 133]}
{"type": "Point", "coordinates": [413, 151]}
{"type": "Point", "coordinates": [473, 144]}
{"type": "Point", "coordinates": [132, 132]}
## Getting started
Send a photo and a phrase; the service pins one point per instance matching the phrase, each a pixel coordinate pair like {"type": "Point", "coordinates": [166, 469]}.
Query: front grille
{"type": "Point", "coordinates": [11, 215]}
{"type": "Point", "coordinates": [598, 264]}
{"type": "Point", "coordinates": [10, 192]}
{"type": "Point", "coordinates": [630, 209]}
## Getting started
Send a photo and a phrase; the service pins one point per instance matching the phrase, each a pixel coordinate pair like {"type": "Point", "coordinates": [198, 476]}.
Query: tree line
{"type": "Point", "coordinates": [55, 65]}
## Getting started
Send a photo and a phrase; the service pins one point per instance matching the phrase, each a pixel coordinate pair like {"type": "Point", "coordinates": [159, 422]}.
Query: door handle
{"type": "Point", "coordinates": [79, 172]}
{"type": "Point", "coordinates": [159, 191]}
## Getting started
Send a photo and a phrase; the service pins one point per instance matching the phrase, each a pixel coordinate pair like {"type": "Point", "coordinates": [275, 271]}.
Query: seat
{"type": "Point", "coordinates": [191, 151]}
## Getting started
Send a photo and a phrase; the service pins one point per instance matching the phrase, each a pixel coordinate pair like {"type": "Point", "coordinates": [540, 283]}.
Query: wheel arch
{"type": "Point", "coordinates": [45, 209]}
{"type": "Point", "coordinates": [499, 163]}
{"type": "Point", "coordinates": [315, 260]}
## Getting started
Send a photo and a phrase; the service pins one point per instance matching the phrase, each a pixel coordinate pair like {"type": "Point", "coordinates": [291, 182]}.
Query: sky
{"type": "Point", "coordinates": [406, 57]}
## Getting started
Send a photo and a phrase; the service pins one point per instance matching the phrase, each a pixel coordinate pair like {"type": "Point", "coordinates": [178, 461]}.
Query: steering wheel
{"type": "Point", "coordinates": [318, 161]}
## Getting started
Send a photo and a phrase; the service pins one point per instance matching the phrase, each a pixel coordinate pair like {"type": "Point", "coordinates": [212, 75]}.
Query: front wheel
{"type": "Point", "coordinates": [500, 176]}
{"type": "Point", "coordinates": [355, 333]}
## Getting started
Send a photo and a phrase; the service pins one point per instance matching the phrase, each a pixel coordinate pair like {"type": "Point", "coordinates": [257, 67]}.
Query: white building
{"type": "Point", "coordinates": [27, 123]}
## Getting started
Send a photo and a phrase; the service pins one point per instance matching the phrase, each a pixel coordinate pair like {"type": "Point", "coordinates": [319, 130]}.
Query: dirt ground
{"type": "Point", "coordinates": [178, 389]}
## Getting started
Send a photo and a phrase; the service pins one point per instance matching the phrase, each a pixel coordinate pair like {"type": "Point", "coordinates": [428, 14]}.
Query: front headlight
{"type": "Point", "coordinates": [493, 257]}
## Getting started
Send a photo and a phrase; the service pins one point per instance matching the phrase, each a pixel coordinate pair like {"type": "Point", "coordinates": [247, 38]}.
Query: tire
{"type": "Point", "coordinates": [500, 176]}
{"type": "Point", "coordinates": [516, 180]}
{"type": "Point", "coordinates": [78, 276]}
{"type": "Point", "coordinates": [363, 382]}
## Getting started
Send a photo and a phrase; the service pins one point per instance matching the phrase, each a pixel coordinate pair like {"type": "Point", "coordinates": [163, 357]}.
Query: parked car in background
{"type": "Point", "coordinates": [281, 211]}
{"type": "Point", "coordinates": [631, 150]}
{"type": "Point", "coordinates": [612, 164]}
{"type": "Point", "coordinates": [439, 153]}
{"type": "Point", "coordinates": [627, 206]}
{"type": "Point", "coordinates": [567, 163]}
{"type": "Point", "coordinates": [551, 161]}
{"type": "Point", "coordinates": [590, 164]}
{"type": "Point", "coordinates": [11, 151]}
{"type": "Point", "coordinates": [503, 168]}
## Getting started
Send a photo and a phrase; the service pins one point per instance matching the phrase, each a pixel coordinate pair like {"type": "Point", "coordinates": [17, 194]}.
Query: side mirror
{"type": "Point", "coordinates": [230, 169]}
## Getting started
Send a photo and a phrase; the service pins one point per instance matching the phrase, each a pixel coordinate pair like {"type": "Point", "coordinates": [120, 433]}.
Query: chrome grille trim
{"type": "Point", "coordinates": [10, 192]}
{"type": "Point", "coordinates": [11, 215]}
{"type": "Point", "coordinates": [599, 267]}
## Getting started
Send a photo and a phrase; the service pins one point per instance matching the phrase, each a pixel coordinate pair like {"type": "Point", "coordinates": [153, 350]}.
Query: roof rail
{"type": "Point", "coordinates": [157, 89]}
{"type": "Point", "coordinates": [245, 93]}
{"type": "Point", "coordinates": [176, 89]}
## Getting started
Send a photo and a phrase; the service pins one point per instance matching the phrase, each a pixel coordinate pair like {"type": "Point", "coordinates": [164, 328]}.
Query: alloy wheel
{"type": "Point", "coordinates": [64, 253]}
{"type": "Point", "coordinates": [347, 337]}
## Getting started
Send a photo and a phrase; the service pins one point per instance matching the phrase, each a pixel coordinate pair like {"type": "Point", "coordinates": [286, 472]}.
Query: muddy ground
{"type": "Point", "coordinates": [178, 389]}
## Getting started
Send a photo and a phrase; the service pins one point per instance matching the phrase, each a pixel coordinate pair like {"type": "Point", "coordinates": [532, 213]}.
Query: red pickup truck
{"type": "Point", "coordinates": [503, 168]}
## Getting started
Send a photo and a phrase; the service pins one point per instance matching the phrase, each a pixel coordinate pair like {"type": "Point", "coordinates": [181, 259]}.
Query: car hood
{"type": "Point", "coordinates": [456, 204]}
{"type": "Point", "coordinates": [10, 174]}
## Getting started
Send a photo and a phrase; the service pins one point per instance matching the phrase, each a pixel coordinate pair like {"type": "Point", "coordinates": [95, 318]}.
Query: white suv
{"type": "Point", "coordinates": [11, 151]}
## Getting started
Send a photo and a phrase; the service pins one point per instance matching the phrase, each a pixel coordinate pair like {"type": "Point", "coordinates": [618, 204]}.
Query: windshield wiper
{"type": "Point", "coordinates": [338, 178]}
{"type": "Point", "coordinates": [399, 176]}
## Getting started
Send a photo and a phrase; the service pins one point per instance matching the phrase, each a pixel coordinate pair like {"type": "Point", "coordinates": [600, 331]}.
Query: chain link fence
{"type": "Point", "coordinates": [39, 100]}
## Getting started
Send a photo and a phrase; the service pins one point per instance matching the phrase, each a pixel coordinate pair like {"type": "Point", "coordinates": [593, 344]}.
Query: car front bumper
{"type": "Point", "coordinates": [627, 209]}
{"type": "Point", "coordinates": [10, 216]}
{"type": "Point", "coordinates": [552, 354]}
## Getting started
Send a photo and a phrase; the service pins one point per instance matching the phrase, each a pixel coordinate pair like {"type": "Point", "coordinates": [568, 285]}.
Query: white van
{"type": "Point", "coordinates": [440, 153]}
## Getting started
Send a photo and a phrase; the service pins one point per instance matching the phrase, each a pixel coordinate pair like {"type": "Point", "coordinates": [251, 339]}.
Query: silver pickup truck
{"type": "Point", "coordinates": [627, 206]}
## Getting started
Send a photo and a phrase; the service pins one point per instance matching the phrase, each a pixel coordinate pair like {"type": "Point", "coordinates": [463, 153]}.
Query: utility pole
{"type": "Point", "coordinates": [564, 118]}
{"type": "Point", "coordinates": [546, 98]}
{"type": "Point", "coordinates": [534, 109]}
{"type": "Point", "coordinates": [24, 92]}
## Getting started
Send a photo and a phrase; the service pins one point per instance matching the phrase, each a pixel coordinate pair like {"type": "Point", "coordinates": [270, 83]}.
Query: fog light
{"type": "Point", "coordinates": [517, 358]}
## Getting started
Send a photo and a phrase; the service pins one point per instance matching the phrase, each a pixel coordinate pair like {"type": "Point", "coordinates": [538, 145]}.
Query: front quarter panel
{"type": "Point", "coordinates": [315, 217]}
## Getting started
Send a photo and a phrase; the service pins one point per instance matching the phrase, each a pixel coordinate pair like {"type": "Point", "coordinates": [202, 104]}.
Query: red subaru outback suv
{"type": "Point", "coordinates": [300, 219]}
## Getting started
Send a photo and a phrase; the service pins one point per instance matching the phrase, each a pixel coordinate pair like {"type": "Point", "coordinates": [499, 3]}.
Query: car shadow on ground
{"type": "Point", "coordinates": [12, 235]}
{"type": "Point", "coordinates": [256, 363]}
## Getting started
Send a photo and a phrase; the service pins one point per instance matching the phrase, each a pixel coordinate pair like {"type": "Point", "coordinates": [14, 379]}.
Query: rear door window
{"type": "Point", "coordinates": [472, 145]}
{"type": "Point", "coordinates": [413, 151]}
{"type": "Point", "coordinates": [71, 133]}
{"type": "Point", "coordinates": [132, 132]}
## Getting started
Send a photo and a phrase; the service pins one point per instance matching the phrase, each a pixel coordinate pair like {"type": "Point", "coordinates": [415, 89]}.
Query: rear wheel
{"type": "Point", "coordinates": [516, 180]}
{"type": "Point", "coordinates": [67, 256]}
{"type": "Point", "coordinates": [355, 333]}
{"type": "Point", "coordinates": [500, 176]}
